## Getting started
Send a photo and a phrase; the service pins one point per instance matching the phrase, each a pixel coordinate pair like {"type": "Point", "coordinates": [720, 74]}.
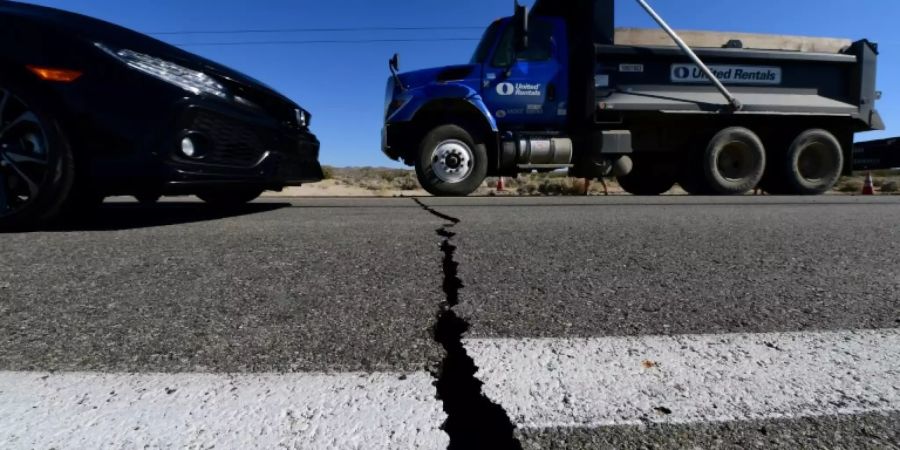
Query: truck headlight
{"type": "Point", "coordinates": [190, 80]}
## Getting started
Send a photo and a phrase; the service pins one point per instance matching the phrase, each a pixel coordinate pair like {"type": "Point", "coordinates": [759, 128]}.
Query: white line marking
{"type": "Point", "coordinates": [310, 411]}
{"type": "Point", "coordinates": [592, 383]}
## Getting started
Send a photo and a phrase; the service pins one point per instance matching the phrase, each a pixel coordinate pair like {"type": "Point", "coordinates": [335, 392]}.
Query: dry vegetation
{"type": "Point", "coordinates": [376, 181]}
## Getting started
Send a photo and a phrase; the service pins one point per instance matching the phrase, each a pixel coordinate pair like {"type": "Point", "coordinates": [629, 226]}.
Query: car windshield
{"type": "Point", "coordinates": [487, 42]}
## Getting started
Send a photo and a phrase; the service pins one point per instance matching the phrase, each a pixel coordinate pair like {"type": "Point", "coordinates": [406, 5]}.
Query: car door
{"type": "Point", "coordinates": [528, 87]}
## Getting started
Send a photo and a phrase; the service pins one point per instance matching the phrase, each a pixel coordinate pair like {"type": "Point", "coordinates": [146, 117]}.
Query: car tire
{"type": "Point", "coordinates": [813, 163]}
{"type": "Point", "coordinates": [451, 162]}
{"type": "Point", "coordinates": [649, 177]}
{"type": "Point", "coordinates": [37, 167]}
{"type": "Point", "coordinates": [230, 198]}
{"type": "Point", "coordinates": [734, 162]}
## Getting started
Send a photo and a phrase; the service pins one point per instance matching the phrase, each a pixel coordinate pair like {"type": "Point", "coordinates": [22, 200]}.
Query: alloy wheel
{"type": "Point", "coordinates": [24, 155]}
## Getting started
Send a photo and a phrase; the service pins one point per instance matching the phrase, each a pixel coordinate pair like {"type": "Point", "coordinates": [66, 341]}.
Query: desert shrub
{"type": "Point", "coordinates": [329, 172]}
{"type": "Point", "coordinates": [407, 182]}
{"type": "Point", "coordinates": [550, 187]}
{"type": "Point", "coordinates": [890, 186]}
{"type": "Point", "coordinates": [530, 188]}
{"type": "Point", "coordinates": [851, 186]}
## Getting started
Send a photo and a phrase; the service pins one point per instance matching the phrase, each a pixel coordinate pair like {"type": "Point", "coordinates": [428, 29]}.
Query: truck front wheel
{"type": "Point", "coordinates": [735, 161]}
{"type": "Point", "coordinates": [451, 163]}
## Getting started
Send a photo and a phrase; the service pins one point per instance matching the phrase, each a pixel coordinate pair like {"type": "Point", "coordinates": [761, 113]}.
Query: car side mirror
{"type": "Point", "coordinates": [520, 28]}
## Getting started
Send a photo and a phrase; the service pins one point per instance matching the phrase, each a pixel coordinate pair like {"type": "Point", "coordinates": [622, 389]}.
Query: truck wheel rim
{"type": "Point", "coordinates": [452, 161]}
{"type": "Point", "coordinates": [24, 157]}
{"type": "Point", "coordinates": [815, 162]}
{"type": "Point", "coordinates": [737, 161]}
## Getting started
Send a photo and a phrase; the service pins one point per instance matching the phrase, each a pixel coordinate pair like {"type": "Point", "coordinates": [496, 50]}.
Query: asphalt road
{"type": "Point", "coordinates": [357, 285]}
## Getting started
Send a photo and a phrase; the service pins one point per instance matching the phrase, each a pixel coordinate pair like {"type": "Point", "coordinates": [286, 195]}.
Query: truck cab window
{"type": "Point", "coordinates": [487, 42]}
{"type": "Point", "coordinates": [540, 45]}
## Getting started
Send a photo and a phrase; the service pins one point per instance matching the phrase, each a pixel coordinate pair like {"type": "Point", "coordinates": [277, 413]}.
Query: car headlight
{"type": "Point", "coordinates": [190, 80]}
{"type": "Point", "coordinates": [303, 118]}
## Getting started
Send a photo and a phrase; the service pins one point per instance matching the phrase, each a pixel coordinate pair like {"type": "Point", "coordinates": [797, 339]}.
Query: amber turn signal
{"type": "Point", "coordinates": [58, 75]}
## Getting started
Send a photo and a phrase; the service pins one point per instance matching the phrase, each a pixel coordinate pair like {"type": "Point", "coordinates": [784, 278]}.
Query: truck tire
{"type": "Point", "coordinates": [690, 176]}
{"type": "Point", "coordinates": [451, 163]}
{"type": "Point", "coordinates": [37, 167]}
{"type": "Point", "coordinates": [734, 162]}
{"type": "Point", "coordinates": [649, 178]}
{"type": "Point", "coordinates": [813, 163]}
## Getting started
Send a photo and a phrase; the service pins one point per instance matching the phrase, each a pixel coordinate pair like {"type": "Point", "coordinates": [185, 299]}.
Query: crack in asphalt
{"type": "Point", "coordinates": [473, 420]}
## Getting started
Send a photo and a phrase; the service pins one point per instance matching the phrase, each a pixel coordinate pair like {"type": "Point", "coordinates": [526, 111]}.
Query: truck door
{"type": "Point", "coordinates": [528, 88]}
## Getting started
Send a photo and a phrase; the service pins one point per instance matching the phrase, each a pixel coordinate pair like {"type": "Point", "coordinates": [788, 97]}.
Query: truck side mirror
{"type": "Point", "coordinates": [520, 24]}
{"type": "Point", "coordinates": [394, 64]}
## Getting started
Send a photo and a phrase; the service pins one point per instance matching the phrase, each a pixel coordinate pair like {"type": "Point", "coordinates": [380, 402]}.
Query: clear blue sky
{"type": "Point", "coordinates": [343, 85]}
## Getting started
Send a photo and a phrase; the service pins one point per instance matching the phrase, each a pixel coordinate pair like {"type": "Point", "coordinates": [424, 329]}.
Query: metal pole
{"type": "Point", "coordinates": [732, 100]}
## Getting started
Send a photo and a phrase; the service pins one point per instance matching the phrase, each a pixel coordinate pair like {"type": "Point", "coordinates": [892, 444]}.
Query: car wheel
{"type": "Point", "coordinates": [735, 161]}
{"type": "Point", "coordinates": [37, 169]}
{"type": "Point", "coordinates": [230, 198]}
{"type": "Point", "coordinates": [451, 163]}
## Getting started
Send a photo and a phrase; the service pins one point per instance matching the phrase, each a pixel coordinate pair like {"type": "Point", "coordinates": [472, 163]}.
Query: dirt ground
{"type": "Point", "coordinates": [383, 182]}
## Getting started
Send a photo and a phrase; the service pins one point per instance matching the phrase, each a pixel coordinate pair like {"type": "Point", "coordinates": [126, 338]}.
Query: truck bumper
{"type": "Point", "coordinates": [394, 141]}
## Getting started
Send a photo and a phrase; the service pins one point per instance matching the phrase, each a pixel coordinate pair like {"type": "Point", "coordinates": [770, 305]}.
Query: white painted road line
{"type": "Point", "coordinates": [593, 383]}
{"type": "Point", "coordinates": [344, 411]}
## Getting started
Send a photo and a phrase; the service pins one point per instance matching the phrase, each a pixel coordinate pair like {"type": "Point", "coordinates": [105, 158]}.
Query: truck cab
{"type": "Point", "coordinates": [516, 87]}
{"type": "Point", "coordinates": [559, 88]}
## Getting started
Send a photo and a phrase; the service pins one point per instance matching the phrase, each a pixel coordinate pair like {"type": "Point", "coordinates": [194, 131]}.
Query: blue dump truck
{"type": "Point", "coordinates": [559, 87]}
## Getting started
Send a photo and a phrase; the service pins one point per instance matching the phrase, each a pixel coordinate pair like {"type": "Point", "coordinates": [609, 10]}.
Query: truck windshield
{"type": "Point", "coordinates": [487, 41]}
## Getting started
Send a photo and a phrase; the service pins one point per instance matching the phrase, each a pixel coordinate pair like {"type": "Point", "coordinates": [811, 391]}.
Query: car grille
{"type": "Point", "coordinates": [232, 143]}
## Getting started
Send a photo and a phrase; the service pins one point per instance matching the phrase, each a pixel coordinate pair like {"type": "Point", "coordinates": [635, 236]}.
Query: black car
{"type": "Point", "coordinates": [89, 110]}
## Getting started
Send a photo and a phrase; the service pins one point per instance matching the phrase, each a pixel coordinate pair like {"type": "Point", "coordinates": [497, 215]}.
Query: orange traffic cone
{"type": "Point", "coordinates": [869, 186]}
{"type": "Point", "coordinates": [500, 185]}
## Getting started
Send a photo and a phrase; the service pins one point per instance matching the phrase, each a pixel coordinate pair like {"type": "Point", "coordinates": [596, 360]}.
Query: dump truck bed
{"type": "Point", "coordinates": [643, 70]}
{"type": "Point", "coordinates": [644, 37]}
{"type": "Point", "coordinates": [663, 79]}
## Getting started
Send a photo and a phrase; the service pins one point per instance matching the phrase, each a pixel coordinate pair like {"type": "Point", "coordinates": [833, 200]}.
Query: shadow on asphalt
{"type": "Point", "coordinates": [126, 216]}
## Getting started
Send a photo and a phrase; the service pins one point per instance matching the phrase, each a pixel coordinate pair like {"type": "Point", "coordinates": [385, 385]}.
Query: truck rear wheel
{"type": "Point", "coordinates": [649, 177]}
{"type": "Point", "coordinates": [735, 161]}
{"type": "Point", "coordinates": [813, 163]}
{"type": "Point", "coordinates": [451, 163]}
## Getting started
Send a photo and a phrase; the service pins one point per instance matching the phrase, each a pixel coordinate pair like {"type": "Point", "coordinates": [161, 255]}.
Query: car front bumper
{"type": "Point", "coordinates": [240, 148]}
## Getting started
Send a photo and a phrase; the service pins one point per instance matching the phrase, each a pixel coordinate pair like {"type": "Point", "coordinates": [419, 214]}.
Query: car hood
{"type": "Point", "coordinates": [118, 37]}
